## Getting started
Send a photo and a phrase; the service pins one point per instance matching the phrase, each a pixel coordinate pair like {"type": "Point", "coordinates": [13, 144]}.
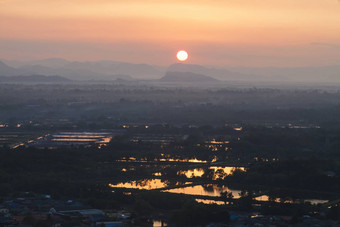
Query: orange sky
{"type": "Point", "coordinates": [218, 32]}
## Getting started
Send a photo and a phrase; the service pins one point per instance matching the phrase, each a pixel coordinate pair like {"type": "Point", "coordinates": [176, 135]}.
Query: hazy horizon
{"type": "Point", "coordinates": [22, 62]}
{"type": "Point", "coordinates": [283, 33]}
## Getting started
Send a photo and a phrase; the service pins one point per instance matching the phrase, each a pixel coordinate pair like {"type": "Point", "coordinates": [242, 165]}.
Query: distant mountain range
{"type": "Point", "coordinates": [221, 74]}
{"type": "Point", "coordinates": [266, 74]}
{"type": "Point", "coordinates": [34, 79]}
{"type": "Point", "coordinates": [6, 70]}
{"type": "Point", "coordinates": [98, 70]}
{"type": "Point", "coordinates": [111, 70]}
{"type": "Point", "coordinates": [187, 77]}
{"type": "Point", "coordinates": [299, 74]}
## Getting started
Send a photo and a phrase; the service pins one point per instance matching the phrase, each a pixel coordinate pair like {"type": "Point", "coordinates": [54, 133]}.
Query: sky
{"type": "Point", "coordinates": [221, 33]}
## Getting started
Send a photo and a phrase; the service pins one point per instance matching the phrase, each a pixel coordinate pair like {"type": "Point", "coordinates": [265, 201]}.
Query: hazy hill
{"type": "Point", "coordinates": [73, 73]}
{"type": "Point", "coordinates": [222, 74]}
{"type": "Point", "coordinates": [111, 70]}
{"type": "Point", "coordinates": [301, 74]}
{"type": "Point", "coordinates": [6, 70]}
{"type": "Point", "coordinates": [326, 74]}
{"type": "Point", "coordinates": [94, 70]}
{"type": "Point", "coordinates": [80, 73]}
{"type": "Point", "coordinates": [186, 77]}
{"type": "Point", "coordinates": [33, 79]}
{"type": "Point", "coordinates": [50, 62]}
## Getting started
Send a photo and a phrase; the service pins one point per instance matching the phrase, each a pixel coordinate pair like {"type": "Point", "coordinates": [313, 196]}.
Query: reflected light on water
{"type": "Point", "coordinates": [157, 223]}
{"type": "Point", "coordinates": [191, 173]}
{"type": "Point", "coordinates": [219, 172]}
{"type": "Point", "coordinates": [265, 198]}
{"type": "Point", "coordinates": [226, 170]}
{"type": "Point", "coordinates": [142, 184]}
{"type": "Point", "coordinates": [193, 160]}
{"type": "Point", "coordinates": [74, 140]}
{"type": "Point", "coordinates": [208, 201]}
{"type": "Point", "coordinates": [205, 190]}
{"type": "Point", "coordinates": [312, 201]}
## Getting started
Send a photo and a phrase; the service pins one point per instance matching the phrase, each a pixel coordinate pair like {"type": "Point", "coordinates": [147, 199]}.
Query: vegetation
{"type": "Point", "coordinates": [287, 141]}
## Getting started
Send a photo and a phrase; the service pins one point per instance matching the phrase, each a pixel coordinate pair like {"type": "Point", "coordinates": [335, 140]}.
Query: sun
{"type": "Point", "coordinates": [182, 55]}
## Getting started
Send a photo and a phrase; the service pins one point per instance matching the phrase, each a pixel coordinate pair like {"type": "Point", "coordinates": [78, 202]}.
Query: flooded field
{"type": "Point", "coordinates": [217, 171]}
{"type": "Point", "coordinates": [205, 190]}
{"type": "Point", "coordinates": [159, 223]}
{"type": "Point", "coordinates": [147, 184]}
{"type": "Point", "coordinates": [14, 139]}
{"type": "Point", "coordinates": [212, 190]}
{"type": "Point", "coordinates": [208, 201]}
{"type": "Point", "coordinates": [193, 160]}
{"type": "Point", "coordinates": [98, 139]}
{"type": "Point", "coordinates": [266, 198]}
{"type": "Point", "coordinates": [192, 173]}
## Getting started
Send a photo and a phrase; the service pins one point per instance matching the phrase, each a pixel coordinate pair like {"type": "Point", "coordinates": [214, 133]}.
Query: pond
{"type": "Point", "coordinates": [209, 201]}
{"type": "Point", "coordinates": [159, 223]}
{"type": "Point", "coordinates": [192, 160]}
{"type": "Point", "coordinates": [146, 184]}
{"type": "Point", "coordinates": [218, 172]}
{"type": "Point", "coordinates": [222, 172]}
{"type": "Point", "coordinates": [191, 173]}
{"type": "Point", "coordinates": [205, 190]}
{"type": "Point", "coordinates": [312, 201]}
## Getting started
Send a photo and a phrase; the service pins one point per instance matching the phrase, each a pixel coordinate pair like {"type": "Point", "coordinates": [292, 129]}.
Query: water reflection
{"type": "Point", "coordinates": [191, 173]}
{"type": "Point", "coordinates": [218, 172]}
{"type": "Point", "coordinates": [158, 223]}
{"type": "Point", "coordinates": [205, 190]}
{"type": "Point", "coordinates": [222, 172]}
{"type": "Point", "coordinates": [192, 160]}
{"type": "Point", "coordinates": [82, 138]}
{"type": "Point", "coordinates": [316, 201]}
{"type": "Point", "coordinates": [266, 198]}
{"type": "Point", "coordinates": [146, 184]}
{"type": "Point", "coordinates": [209, 201]}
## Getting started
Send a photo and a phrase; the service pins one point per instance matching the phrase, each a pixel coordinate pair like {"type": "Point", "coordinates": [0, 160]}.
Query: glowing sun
{"type": "Point", "coordinates": [182, 55]}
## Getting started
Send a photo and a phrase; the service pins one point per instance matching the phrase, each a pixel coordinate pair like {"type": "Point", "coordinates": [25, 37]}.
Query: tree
{"type": "Point", "coordinates": [226, 196]}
